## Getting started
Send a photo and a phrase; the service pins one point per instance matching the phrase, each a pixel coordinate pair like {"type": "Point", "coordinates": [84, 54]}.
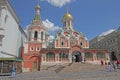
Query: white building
{"type": "Point", "coordinates": [11, 35]}
{"type": "Point", "coordinates": [110, 42]}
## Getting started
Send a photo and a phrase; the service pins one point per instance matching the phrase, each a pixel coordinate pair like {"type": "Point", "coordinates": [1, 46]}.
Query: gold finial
{"type": "Point", "coordinates": [37, 7]}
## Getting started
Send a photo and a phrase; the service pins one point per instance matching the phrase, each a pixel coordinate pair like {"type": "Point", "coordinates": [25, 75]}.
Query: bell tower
{"type": "Point", "coordinates": [36, 31]}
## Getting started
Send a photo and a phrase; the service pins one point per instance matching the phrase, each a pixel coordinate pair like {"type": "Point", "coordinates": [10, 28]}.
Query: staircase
{"type": "Point", "coordinates": [77, 67]}
{"type": "Point", "coordinates": [72, 67]}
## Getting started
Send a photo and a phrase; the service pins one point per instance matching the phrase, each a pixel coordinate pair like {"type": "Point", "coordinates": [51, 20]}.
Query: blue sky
{"type": "Point", "coordinates": [92, 17]}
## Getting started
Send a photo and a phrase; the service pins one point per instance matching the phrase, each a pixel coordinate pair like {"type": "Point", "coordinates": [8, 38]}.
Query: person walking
{"type": "Point", "coordinates": [113, 60]}
{"type": "Point", "coordinates": [109, 67]}
{"type": "Point", "coordinates": [102, 63]}
{"type": "Point", "coordinates": [13, 71]}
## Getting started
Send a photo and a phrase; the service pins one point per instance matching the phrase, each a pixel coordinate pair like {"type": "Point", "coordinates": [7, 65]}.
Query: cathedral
{"type": "Point", "coordinates": [68, 46]}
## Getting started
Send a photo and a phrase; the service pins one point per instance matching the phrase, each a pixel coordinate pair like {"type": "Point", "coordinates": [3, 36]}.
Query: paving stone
{"type": "Point", "coordinates": [74, 73]}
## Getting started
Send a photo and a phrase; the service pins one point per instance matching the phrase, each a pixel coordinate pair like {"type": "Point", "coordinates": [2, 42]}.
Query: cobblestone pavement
{"type": "Point", "coordinates": [95, 74]}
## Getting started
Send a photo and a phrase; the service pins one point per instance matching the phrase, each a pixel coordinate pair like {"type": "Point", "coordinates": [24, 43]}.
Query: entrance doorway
{"type": "Point", "coordinates": [76, 56]}
{"type": "Point", "coordinates": [35, 66]}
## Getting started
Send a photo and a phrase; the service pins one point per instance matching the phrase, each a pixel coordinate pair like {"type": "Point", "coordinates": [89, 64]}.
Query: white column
{"type": "Point", "coordinates": [83, 56]}
{"type": "Point", "coordinates": [70, 56]}
{"type": "Point", "coordinates": [94, 57]}
{"type": "Point", "coordinates": [39, 36]}
{"type": "Point", "coordinates": [44, 36]}
{"type": "Point", "coordinates": [32, 35]}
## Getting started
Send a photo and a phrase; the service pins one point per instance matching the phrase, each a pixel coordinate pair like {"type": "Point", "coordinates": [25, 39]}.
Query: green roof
{"type": "Point", "coordinates": [47, 33]}
{"type": "Point", "coordinates": [11, 59]}
{"type": "Point", "coordinates": [37, 18]}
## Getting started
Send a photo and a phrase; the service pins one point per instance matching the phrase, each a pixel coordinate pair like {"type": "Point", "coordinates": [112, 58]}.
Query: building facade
{"type": "Point", "coordinates": [11, 38]}
{"type": "Point", "coordinates": [68, 46]}
{"type": "Point", "coordinates": [109, 42]}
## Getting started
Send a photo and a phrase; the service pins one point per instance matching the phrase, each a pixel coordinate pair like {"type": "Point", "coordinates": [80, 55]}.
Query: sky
{"type": "Point", "coordinates": [91, 17]}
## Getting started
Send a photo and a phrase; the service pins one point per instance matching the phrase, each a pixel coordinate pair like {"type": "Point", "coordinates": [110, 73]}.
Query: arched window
{"type": "Point", "coordinates": [68, 23]}
{"type": "Point", "coordinates": [41, 35]}
{"type": "Point", "coordinates": [29, 35]}
{"type": "Point", "coordinates": [62, 43]}
{"type": "Point", "coordinates": [63, 55]}
{"type": "Point", "coordinates": [0, 12]}
{"type": "Point", "coordinates": [81, 43]}
{"type": "Point", "coordinates": [35, 35]}
{"type": "Point", "coordinates": [100, 55]}
{"type": "Point", "coordinates": [50, 56]}
{"type": "Point", "coordinates": [88, 55]}
{"type": "Point", "coordinates": [6, 17]}
{"type": "Point", "coordinates": [65, 23]}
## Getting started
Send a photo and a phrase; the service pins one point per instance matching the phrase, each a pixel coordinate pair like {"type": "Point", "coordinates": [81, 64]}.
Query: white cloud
{"type": "Point", "coordinates": [107, 32]}
{"type": "Point", "coordinates": [50, 38]}
{"type": "Point", "coordinates": [50, 26]}
{"type": "Point", "coordinates": [59, 3]}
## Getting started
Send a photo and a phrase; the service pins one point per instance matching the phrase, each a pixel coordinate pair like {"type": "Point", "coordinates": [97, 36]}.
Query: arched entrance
{"type": "Point", "coordinates": [76, 56]}
{"type": "Point", "coordinates": [35, 66]}
{"type": "Point", "coordinates": [34, 63]}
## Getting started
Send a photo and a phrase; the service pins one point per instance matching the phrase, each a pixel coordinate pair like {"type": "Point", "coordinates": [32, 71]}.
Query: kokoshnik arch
{"type": "Point", "coordinates": [69, 45]}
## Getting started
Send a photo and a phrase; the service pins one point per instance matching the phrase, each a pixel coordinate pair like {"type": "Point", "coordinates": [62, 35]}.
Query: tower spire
{"type": "Point", "coordinates": [37, 18]}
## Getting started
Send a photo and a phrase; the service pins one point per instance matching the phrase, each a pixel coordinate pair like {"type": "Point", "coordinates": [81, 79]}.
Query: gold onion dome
{"type": "Point", "coordinates": [68, 16]}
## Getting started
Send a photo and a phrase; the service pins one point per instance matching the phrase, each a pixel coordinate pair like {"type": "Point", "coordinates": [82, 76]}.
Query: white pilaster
{"type": "Point", "coordinates": [83, 57]}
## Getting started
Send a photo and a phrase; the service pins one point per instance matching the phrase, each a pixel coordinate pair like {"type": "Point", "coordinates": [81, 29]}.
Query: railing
{"type": "Point", "coordinates": [50, 59]}
{"type": "Point", "coordinates": [89, 59]}
{"type": "Point", "coordinates": [63, 59]}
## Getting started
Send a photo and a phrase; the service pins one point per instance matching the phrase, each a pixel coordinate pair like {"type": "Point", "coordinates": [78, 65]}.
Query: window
{"type": "Point", "coordinates": [37, 49]}
{"type": "Point", "coordinates": [65, 23]}
{"type": "Point", "coordinates": [41, 35]}
{"type": "Point", "coordinates": [63, 55]}
{"type": "Point", "coordinates": [81, 43]}
{"type": "Point", "coordinates": [62, 43]}
{"type": "Point", "coordinates": [29, 35]}
{"type": "Point", "coordinates": [35, 34]}
{"type": "Point", "coordinates": [6, 17]}
{"type": "Point", "coordinates": [88, 55]}
{"type": "Point", "coordinates": [31, 48]}
{"type": "Point", "coordinates": [0, 12]}
{"type": "Point", "coordinates": [68, 23]}
{"type": "Point", "coordinates": [100, 55]}
{"type": "Point", "coordinates": [50, 56]}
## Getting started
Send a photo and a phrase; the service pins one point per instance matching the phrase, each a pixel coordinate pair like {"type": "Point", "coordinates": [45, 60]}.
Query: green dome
{"type": "Point", "coordinates": [47, 33]}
